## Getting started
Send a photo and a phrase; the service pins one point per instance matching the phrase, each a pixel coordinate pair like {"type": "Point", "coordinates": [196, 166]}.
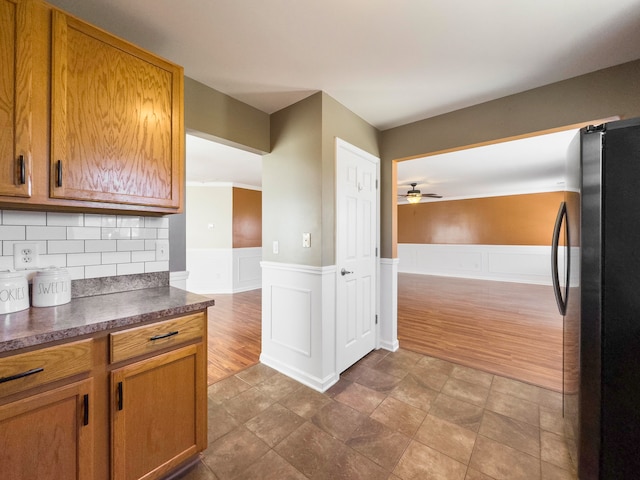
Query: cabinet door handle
{"type": "Point", "coordinates": [85, 418]}
{"type": "Point", "coordinates": [59, 173]}
{"type": "Point", "coordinates": [164, 335]}
{"type": "Point", "coordinates": [23, 170]}
{"type": "Point", "coordinates": [21, 375]}
{"type": "Point", "coordinates": [120, 396]}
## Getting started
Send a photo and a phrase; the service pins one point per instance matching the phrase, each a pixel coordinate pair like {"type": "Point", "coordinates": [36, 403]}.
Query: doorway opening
{"type": "Point", "coordinates": [474, 281]}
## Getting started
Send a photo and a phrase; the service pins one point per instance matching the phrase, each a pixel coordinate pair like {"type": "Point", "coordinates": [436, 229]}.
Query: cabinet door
{"type": "Point", "coordinates": [117, 121]}
{"type": "Point", "coordinates": [15, 97]}
{"type": "Point", "coordinates": [158, 413]}
{"type": "Point", "coordinates": [48, 436]}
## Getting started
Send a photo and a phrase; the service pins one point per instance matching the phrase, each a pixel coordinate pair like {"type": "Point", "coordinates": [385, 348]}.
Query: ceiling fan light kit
{"type": "Point", "coordinates": [414, 196]}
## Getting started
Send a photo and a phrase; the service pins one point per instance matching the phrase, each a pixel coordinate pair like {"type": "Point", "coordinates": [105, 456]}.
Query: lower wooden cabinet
{"type": "Point", "coordinates": [129, 404]}
{"type": "Point", "coordinates": [49, 435]}
{"type": "Point", "coordinates": [158, 413]}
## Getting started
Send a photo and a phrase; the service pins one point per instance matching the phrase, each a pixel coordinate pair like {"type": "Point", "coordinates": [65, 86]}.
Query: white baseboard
{"type": "Point", "coordinates": [319, 384]}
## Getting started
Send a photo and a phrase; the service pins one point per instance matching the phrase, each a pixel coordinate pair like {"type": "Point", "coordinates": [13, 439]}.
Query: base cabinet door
{"type": "Point", "coordinates": [48, 436]}
{"type": "Point", "coordinates": [158, 413]}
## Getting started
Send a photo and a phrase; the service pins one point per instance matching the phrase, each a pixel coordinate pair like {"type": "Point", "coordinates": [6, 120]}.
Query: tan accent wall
{"type": "Point", "coordinates": [211, 114]}
{"type": "Point", "coordinates": [247, 218]}
{"type": "Point", "coordinates": [506, 220]}
{"type": "Point", "coordinates": [605, 93]}
{"type": "Point", "coordinates": [298, 177]}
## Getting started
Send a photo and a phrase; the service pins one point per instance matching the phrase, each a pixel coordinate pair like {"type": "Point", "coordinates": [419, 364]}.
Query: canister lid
{"type": "Point", "coordinates": [4, 274]}
{"type": "Point", "coordinates": [51, 271]}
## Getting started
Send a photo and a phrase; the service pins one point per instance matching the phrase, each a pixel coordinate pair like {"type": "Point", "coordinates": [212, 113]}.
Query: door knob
{"type": "Point", "coordinates": [344, 272]}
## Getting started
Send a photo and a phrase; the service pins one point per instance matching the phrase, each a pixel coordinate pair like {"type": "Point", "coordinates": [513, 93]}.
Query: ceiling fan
{"type": "Point", "coordinates": [414, 195]}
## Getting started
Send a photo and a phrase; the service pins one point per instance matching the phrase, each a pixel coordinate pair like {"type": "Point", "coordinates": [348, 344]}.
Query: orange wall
{"type": "Point", "coordinates": [247, 218]}
{"type": "Point", "coordinates": [508, 220]}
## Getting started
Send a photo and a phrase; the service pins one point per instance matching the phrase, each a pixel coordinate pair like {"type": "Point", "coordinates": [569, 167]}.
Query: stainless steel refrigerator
{"type": "Point", "coordinates": [602, 305]}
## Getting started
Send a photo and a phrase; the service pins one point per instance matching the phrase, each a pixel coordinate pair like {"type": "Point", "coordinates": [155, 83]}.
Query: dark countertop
{"type": "Point", "coordinates": [88, 315]}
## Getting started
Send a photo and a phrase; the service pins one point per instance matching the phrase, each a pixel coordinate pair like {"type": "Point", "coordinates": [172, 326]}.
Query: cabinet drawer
{"type": "Point", "coordinates": [27, 370]}
{"type": "Point", "coordinates": [149, 338]}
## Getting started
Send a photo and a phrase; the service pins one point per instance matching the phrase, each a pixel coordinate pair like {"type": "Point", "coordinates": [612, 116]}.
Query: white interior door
{"type": "Point", "coordinates": [356, 256]}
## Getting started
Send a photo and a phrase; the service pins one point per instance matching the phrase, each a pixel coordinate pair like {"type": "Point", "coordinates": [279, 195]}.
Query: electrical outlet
{"type": "Point", "coordinates": [306, 240]}
{"type": "Point", "coordinates": [275, 247]}
{"type": "Point", "coordinates": [162, 250]}
{"type": "Point", "coordinates": [26, 256]}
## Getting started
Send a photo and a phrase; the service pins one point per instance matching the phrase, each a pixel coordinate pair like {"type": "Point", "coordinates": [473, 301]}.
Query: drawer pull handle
{"type": "Point", "coordinates": [21, 375]}
{"type": "Point", "coordinates": [164, 335]}
{"type": "Point", "coordinates": [120, 396]}
{"type": "Point", "coordinates": [85, 418]}
{"type": "Point", "coordinates": [23, 173]}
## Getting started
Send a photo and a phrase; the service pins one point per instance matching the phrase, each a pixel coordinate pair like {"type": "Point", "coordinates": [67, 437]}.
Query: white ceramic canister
{"type": "Point", "coordinates": [14, 292]}
{"type": "Point", "coordinates": [50, 287]}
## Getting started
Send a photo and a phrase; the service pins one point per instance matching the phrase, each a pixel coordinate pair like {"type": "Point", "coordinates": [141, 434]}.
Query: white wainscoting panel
{"type": "Point", "coordinates": [247, 274]}
{"type": "Point", "coordinates": [223, 270]}
{"type": "Point", "coordinates": [388, 321]}
{"type": "Point", "coordinates": [298, 322]}
{"type": "Point", "coordinates": [506, 263]}
{"type": "Point", "coordinates": [290, 302]}
{"type": "Point", "coordinates": [210, 270]}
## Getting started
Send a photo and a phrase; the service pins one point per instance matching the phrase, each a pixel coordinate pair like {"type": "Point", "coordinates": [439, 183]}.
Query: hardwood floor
{"type": "Point", "coordinates": [235, 329]}
{"type": "Point", "coordinates": [509, 329]}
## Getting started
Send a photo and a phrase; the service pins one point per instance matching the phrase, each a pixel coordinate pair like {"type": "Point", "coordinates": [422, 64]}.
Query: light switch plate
{"type": "Point", "coordinates": [306, 240]}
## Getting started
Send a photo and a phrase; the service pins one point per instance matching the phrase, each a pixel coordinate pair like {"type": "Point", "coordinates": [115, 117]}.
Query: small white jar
{"type": "Point", "coordinates": [14, 292]}
{"type": "Point", "coordinates": [50, 287]}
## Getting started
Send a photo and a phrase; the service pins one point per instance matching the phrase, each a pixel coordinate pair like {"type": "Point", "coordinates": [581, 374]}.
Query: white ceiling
{"type": "Point", "coordinates": [529, 165]}
{"type": "Point", "coordinates": [389, 62]}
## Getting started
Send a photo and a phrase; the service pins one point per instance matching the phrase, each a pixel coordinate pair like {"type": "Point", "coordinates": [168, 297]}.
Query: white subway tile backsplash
{"type": "Point", "coordinates": [150, 267]}
{"type": "Point", "coordinates": [156, 222]}
{"type": "Point", "coordinates": [56, 260]}
{"type": "Point", "coordinates": [100, 245]}
{"type": "Point", "coordinates": [12, 232]}
{"type": "Point", "coordinates": [65, 219]}
{"type": "Point", "coordinates": [84, 233]}
{"type": "Point", "coordinates": [65, 246]}
{"type": "Point", "coordinates": [130, 245]}
{"type": "Point", "coordinates": [88, 245]}
{"type": "Point", "coordinates": [143, 256]}
{"type": "Point", "coordinates": [130, 268]}
{"type": "Point", "coordinates": [46, 233]}
{"type": "Point", "coordinates": [144, 233]}
{"type": "Point", "coordinates": [79, 259]}
{"type": "Point", "coordinates": [116, 257]}
{"type": "Point", "coordinates": [116, 233]}
{"type": "Point", "coordinates": [16, 217]}
{"type": "Point", "coordinates": [130, 222]}
{"type": "Point", "coordinates": [96, 271]}
{"type": "Point", "coordinates": [6, 263]}
{"type": "Point", "coordinates": [76, 273]}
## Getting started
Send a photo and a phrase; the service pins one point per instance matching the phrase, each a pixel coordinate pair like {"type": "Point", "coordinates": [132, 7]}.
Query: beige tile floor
{"type": "Point", "coordinates": [392, 416]}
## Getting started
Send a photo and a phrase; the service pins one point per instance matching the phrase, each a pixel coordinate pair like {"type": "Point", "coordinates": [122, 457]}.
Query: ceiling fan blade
{"type": "Point", "coordinates": [432, 195]}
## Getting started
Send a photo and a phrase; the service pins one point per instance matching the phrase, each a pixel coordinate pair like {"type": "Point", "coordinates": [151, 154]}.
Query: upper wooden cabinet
{"type": "Point", "coordinates": [117, 133]}
{"type": "Point", "coordinates": [15, 97]}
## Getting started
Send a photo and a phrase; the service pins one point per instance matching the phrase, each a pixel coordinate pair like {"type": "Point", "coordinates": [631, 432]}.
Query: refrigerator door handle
{"type": "Point", "coordinates": [562, 214]}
